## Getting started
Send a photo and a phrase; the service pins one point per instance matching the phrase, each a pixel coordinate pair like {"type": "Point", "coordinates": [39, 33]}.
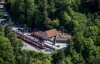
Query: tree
{"type": "Point", "coordinates": [59, 57]}
{"type": "Point", "coordinates": [80, 18]}
{"type": "Point", "coordinates": [46, 61]}
{"type": "Point", "coordinates": [1, 30]}
{"type": "Point", "coordinates": [68, 60]}
{"type": "Point", "coordinates": [8, 28]}
{"type": "Point", "coordinates": [6, 51]}
{"type": "Point", "coordinates": [29, 8]}
{"type": "Point", "coordinates": [16, 43]}
{"type": "Point", "coordinates": [72, 55]}
{"type": "Point", "coordinates": [53, 24]}
{"type": "Point", "coordinates": [1, 61]}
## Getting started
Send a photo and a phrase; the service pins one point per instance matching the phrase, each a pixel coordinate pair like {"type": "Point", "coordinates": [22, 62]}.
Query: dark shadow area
{"type": "Point", "coordinates": [89, 6]}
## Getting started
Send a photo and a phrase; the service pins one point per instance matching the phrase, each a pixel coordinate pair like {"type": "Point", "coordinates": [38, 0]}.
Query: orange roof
{"type": "Point", "coordinates": [52, 33]}
{"type": "Point", "coordinates": [39, 33]}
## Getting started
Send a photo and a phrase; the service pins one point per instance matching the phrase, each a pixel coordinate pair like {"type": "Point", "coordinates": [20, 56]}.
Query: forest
{"type": "Point", "coordinates": [80, 18]}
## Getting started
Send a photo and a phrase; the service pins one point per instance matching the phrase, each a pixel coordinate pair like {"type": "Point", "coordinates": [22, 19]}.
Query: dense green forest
{"type": "Point", "coordinates": [11, 52]}
{"type": "Point", "coordinates": [80, 18]}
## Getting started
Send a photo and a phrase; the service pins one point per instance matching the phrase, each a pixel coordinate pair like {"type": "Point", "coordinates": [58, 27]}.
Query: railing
{"type": "Point", "coordinates": [31, 41]}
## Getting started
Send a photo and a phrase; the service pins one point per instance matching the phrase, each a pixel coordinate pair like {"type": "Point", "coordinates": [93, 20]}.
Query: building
{"type": "Point", "coordinates": [46, 34]}
{"type": "Point", "coordinates": [52, 35]}
{"type": "Point", "coordinates": [62, 37]}
{"type": "Point", "coordinates": [39, 34]}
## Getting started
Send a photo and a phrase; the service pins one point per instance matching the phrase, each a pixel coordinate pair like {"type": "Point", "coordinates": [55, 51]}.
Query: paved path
{"type": "Point", "coordinates": [30, 47]}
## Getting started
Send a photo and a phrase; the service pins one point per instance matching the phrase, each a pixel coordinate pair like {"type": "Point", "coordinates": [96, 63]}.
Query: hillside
{"type": "Point", "coordinates": [79, 18]}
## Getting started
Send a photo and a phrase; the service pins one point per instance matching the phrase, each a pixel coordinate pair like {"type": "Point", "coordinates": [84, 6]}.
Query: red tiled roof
{"type": "Point", "coordinates": [39, 34]}
{"type": "Point", "coordinates": [52, 33]}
